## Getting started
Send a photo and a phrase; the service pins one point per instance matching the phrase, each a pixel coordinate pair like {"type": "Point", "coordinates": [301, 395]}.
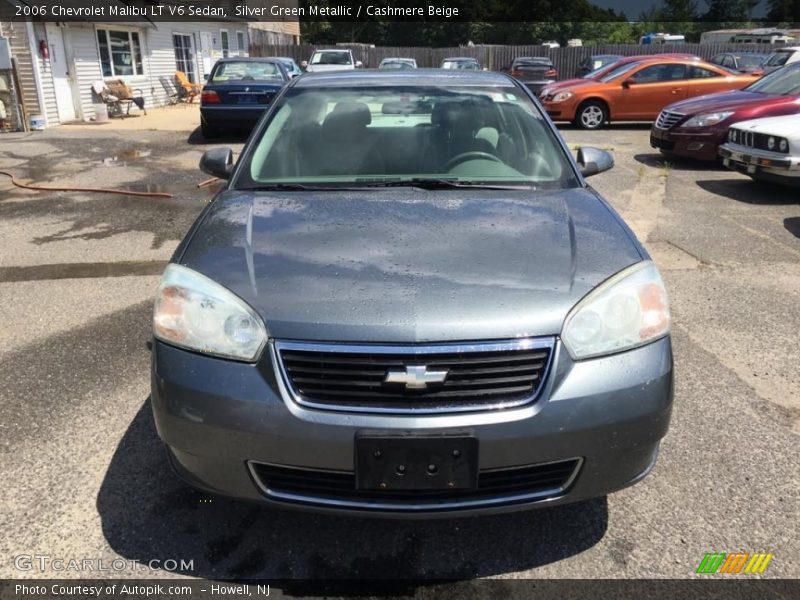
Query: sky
{"type": "Point", "coordinates": [632, 8]}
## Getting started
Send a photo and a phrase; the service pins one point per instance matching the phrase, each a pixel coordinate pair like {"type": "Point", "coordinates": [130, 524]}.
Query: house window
{"type": "Point", "coordinates": [184, 56]}
{"type": "Point", "coordinates": [120, 53]}
{"type": "Point", "coordinates": [241, 44]}
{"type": "Point", "coordinates": [226, 46]}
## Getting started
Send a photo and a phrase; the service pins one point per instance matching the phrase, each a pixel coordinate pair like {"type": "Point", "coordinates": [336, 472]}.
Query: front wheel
{"type": "Point", "coordinates": [591, 115]}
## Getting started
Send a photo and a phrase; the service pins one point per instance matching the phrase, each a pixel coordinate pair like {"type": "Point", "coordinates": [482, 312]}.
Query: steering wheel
{"type": "Point", "coordinates": [465, 156]}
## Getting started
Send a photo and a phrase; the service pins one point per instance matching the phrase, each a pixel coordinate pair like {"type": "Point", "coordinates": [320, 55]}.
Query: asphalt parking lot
{"type": "Point", "coordinates": [86, 476]}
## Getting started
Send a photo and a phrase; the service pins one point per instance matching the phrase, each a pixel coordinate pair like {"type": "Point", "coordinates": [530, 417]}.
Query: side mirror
{"type": "Point", "coordinates": [303, 64]}
{"type": "Point", "coordinates": [628, 82]}
{"type": "Point", "coordinates": [217, 162]}
{"type": "Point", "coordinates": [593, 161]}
{"type": "Point", "coordinates": [359, 64]}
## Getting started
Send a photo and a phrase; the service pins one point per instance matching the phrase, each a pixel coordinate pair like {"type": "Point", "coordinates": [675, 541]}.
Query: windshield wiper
{"type": "Point", "coordinates": [294, 187]}
{"type": "Point", "coordinates": [435, 183]}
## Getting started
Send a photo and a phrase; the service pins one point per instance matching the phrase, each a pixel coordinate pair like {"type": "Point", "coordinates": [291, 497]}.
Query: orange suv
{"type": "Point", "coordinates": [637, 91]}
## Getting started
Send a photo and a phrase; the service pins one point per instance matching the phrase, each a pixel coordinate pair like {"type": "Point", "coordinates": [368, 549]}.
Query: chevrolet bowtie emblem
{"type": "Point", "coordinates": [415, 377]}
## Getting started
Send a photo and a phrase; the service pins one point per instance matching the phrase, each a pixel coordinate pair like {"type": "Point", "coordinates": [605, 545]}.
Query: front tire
{"type": "Point", "coordinates": [592, 114]}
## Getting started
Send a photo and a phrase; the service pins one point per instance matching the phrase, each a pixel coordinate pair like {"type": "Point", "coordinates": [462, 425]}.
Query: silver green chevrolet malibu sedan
{"type": "Point", "coordinates": [408, 301]}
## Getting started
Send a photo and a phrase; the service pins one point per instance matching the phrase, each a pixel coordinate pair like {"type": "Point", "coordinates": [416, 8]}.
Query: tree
{"type": "Point", "coordinates": [784, 11]}
{"type": "Point", "coordinates": [678, 11]}
{"type": "Point", "coordinates": [726, 11]}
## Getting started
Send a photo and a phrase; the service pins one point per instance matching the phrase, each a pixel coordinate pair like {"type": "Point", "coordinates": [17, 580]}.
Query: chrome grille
{"type": "Point", "coordinates": [666, 119]}
{"type": "Point", "coordinates": [414, 378]}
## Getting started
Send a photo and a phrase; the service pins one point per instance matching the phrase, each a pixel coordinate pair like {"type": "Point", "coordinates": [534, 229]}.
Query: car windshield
{"type": "Point", "coordinates": [331, 57]}
{"type": "Point", "coordinates": [396, 64]}
{"type": "Point", "coordinates": [778, 58]}
{"type": "Point", "coordinates": [390, 136]}
{"type": "Point", "coordinates": [532, 62]}
{"type": "Point", "coordinates": [236, 71]}
{"type": "Point", "coordinates": [784, 82]}
{"type": "Point", "coordinates": [751, 60]}
{"type": "Point", "coordinates": [460, 64]}
{"type": "Point", "coordinates": [621, 70]}
{"type": "Point", "coordinates": [601, 70]}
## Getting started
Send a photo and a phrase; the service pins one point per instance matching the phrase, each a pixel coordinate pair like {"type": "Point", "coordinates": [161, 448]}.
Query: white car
{"type": "Point", "coordinates": [781, 57]}
{"type": "Point", "coordinates": [332, 60]}
{"type": "Point", "coordinates": [765, 149]}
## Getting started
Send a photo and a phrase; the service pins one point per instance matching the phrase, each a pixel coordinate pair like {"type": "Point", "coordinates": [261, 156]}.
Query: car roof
{"type": "Point", "coordinates": [460, 58]}
{"type": "Point", "coordinates": [332, 50]}
{"type": "Point", "coordinates": [420, 77]}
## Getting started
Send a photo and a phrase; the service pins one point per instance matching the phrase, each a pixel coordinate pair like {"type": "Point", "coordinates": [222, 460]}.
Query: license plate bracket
{"type": "Point", "coordinates": [444, 462]}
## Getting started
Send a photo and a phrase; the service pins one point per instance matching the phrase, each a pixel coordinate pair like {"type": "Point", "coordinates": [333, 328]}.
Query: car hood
{"type": "Point", "coordinates": [787, 126]}
{"type": "Point", "coordinates": [578, 85]}
{"type": "Point", "coordinates": [328, 68]}
{"type": "Point", "coordinates": [734, 100]}
{"type": "Point", "coordinates": [409, 265]}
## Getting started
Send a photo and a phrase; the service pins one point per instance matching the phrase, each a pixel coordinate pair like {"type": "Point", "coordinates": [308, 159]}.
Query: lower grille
{"type": "Point", "coordinates": [415, 378]}
{"type": "Point", "coordinates": [662, 144]}
{"type": "Point", "coordinates": [667, 119]}
{"type": "Point", "coordinates": [338, 488]}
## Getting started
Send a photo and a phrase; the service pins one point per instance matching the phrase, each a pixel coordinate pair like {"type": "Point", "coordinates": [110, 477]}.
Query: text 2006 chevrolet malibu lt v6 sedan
{"type": "Point", "coordinates": [408, 301]}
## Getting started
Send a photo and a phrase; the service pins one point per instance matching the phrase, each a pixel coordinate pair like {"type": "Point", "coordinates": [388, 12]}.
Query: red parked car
{"type": "Point", "coordinates": [695, 128]}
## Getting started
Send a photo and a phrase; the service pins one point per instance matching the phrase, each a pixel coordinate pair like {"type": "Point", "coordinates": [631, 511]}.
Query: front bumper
{"type": "Point", "coordinates": [762, 164]}
{"type": "Point", "coordinates": [699, 145]}
{"type": "Point", "coordinates": [218, 418]}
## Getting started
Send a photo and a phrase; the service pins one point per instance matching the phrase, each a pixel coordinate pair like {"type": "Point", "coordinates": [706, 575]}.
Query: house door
{"type": "Point", "coordinates": [184, 55]}
{"type": "Point", "coordinates": [60, 73]}
{"type": "Point", "coordinates": [206, 51]}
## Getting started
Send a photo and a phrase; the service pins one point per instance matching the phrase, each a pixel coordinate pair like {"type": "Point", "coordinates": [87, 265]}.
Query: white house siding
{"type": "Point", "coordinates": [45, 78]}
{"type": "Point", "coordinates": [158, 58]}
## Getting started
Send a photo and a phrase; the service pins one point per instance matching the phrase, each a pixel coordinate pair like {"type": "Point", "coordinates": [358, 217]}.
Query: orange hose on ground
{"type": "Point", "coordinates": [39, 188]}
{"type": "Point", "coordinates": [208, 182]}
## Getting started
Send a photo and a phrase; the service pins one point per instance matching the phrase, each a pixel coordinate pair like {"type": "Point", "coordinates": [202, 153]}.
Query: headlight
{"type": "Point", "coordinates": [732, 135]}
{"type": "Point", "coordinates": [771, 143]}
{"type": "Point", "coordinates": [707, 119]}
{"type": "Point", "coordinates": [626, 311]}
{"type": "Point", "coordinates": [561, 96]}
{"type": "Point", "coordinates": [194, 312]}
{"type": "Point", "coordinates": [783, 145]}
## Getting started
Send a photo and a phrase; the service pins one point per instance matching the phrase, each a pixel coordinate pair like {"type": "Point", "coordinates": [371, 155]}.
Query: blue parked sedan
{"type": "Point", "coordinates": [237, 93]}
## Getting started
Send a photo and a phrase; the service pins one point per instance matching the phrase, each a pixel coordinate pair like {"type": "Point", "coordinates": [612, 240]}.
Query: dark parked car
{"type": "Point", "coordinates": [535, 72]}
{"type": "Point", "coordinates": [418, 312]}
{"type": "Point", "coordinates": [594, 62]}
{"type": "Point", "coordinates": [237, 93]}
{"type": "Point", "coordinates": [695, 128]}
{"type": "Point", "coordinates": [744, 62]}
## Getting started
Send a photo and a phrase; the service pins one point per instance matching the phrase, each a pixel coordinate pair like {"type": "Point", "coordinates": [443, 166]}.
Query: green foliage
{"type": "Point", "coordinates": [784, 11]}
{"type": "Point", "coordinates": [565, 20]}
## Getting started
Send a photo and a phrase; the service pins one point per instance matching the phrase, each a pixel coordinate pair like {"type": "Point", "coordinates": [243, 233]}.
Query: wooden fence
{"type": "Point", "coordinates": [495, 58]}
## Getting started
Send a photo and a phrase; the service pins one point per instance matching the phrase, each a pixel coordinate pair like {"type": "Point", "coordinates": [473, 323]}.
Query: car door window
{"type": "Point", "coordinates": [728, 61]}
{"type": "Point", "coordinates": [660, 73]}
{"type": "Point", "coordinates": [696, 72]}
